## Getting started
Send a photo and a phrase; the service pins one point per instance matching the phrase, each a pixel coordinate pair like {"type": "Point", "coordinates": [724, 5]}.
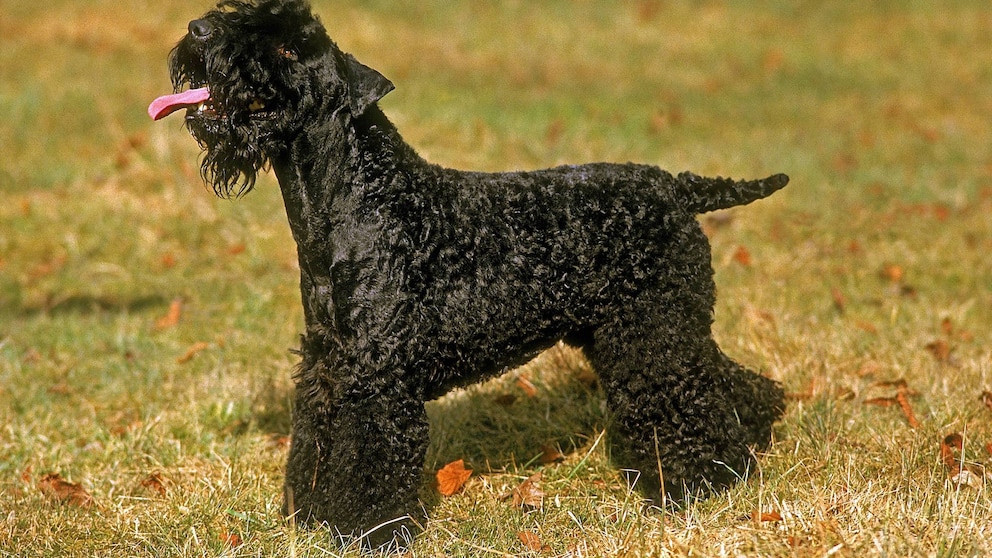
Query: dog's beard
{"type": "Point", "coordinates": [233, 155]}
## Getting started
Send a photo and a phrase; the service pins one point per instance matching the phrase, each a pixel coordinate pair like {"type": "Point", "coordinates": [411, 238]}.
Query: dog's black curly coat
{"type": "Point", "coordinates": [417, 279]}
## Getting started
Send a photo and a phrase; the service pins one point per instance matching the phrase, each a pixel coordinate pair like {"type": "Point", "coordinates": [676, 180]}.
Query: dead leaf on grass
{"type": "Point", "coordinates": [840, 301]}
{"type": "Point", "coordinates": [907, 409]}
{"type": "Point", "coordinates": [960, 473]}
{"type": "Point", "coordinates": [55, 487]}
{"type": "Point", "coordinates": [762, 517]}
{"type": "Point", "coordinates": [452, 477]}
{"type": "Point", "coordinates": [172, 317]}
{"type": "Point", "coordinates": [550, 454]}
{"type": "Point", "coordinates": [940, 349]}
{"type": "Point", "coordinates": [154, 483]}
{"type": "Point", "coordinates": [529, 492]}
{"type": "Point", "coordinates": [192, 352]}
{"type": "Point", "coordinates": [232, 540]}
{"type": "Point", "coordinates": [532, 541]}
{"type": "Point", "coordinates": [901, 398]}
{"type": "Point", "coordinates": [893, 273]}
{"type": "Point", "coordinates": [525, 384]}
{"type": "Point", "coordinates": [742, 256]}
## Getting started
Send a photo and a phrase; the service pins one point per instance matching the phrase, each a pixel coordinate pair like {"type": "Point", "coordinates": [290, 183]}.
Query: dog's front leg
{"type": "Point", "coordinates": [356, 459]}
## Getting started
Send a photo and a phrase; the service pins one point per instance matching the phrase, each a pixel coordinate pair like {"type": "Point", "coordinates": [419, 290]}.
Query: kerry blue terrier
{"type": "Point", "coordinates": [417, 279]}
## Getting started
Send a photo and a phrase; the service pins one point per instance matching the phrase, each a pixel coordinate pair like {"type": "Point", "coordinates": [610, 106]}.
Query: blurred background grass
{"type": "Point", "coordinates": [871, 266]}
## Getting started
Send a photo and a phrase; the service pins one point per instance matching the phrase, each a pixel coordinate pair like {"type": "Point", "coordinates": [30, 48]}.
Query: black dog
{"type": "Point", "coordinates": [417, 279]}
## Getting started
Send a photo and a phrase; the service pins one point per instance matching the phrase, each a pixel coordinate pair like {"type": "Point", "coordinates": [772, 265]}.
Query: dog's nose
{"type": "Point", "coordinates": [200, 28]}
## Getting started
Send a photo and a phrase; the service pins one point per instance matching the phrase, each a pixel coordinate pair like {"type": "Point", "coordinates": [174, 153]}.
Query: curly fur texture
{"type": "Point", "coordinates": [417, 279]}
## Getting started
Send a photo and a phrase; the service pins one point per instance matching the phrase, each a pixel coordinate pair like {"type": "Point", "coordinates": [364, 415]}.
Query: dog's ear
{"type": "Point", "coordinates": [365, 85]}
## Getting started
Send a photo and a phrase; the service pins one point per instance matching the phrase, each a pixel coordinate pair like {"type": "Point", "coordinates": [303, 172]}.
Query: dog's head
{"type": "Point", "coordinates": [251, 75]}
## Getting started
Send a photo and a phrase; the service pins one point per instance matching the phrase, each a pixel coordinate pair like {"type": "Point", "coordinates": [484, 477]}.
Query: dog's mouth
{"type": "Point", "coordinates": [197, 100]}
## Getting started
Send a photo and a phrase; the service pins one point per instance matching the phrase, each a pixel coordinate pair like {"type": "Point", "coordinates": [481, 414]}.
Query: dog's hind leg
{"type": "Point", "coordinates": [674, 398]}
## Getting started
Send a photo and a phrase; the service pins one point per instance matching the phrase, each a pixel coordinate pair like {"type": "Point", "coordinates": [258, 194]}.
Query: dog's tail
{"type": "Point", "coordinates": [702, 195]}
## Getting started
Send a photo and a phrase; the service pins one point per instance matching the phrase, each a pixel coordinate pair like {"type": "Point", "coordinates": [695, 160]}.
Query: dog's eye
{"type": "Point", "coordinates": [286, 52]}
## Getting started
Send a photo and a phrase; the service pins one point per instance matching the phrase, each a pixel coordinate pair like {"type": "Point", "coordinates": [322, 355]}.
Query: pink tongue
{"type": "Point", "coordinates": [168, 104]}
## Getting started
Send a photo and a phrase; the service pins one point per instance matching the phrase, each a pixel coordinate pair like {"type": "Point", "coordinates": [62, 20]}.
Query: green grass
{"type": "Point", "coordinates": [880, 113]}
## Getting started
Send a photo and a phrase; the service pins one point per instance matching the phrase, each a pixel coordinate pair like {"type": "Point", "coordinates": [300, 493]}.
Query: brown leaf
{"type": "Point", "coordinates": [894, 273]}
{"type": "Point", "coordinates": [947, 327]}
{"type": "Point", "coordinates": [529, 492]}
{"type": "Point", "coordinates": [866, 326]}
{"type": "Point", "coordinates": [529, 388]}
{"type": "Point", "coordinates": [531, 540]}
{"type": "Point", "coordinates": [169, 260]}
{"type": "Point", "coordinates": [986, 399]}
{"type": "Point", "coordinates": [882, 401]}
{"type": "Point", "coordinates": [907, 409]}
{"type": "Point", "coordinates": [192, 351]}
{"type": "Point", "coordinates": [550, 454]}
{"type": "Point", "coordinates": [452, 477]}
{"type": "Point", "coordinates": [940, 349]}
{"type": "Point", "coordinates": [154, 483]}
{"type": "Point", "coordinates": [840, 301]}
{"type": "Point", "coordinates": [53, 486]}
{"type": "Point", "coordinates": [232, 540]}
{"type": "Point", "coordinates": [742, 256]}
{"type": "Point", "coordinates": [950, 446]}
{"type": "Point", "coordinates": [171, 319]}
{"type": "Point", "coordinates": [899, 384]}
{"type": "Point", "coordinates": [758, 516]}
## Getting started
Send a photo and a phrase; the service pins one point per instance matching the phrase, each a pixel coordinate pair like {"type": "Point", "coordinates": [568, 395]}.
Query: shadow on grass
{"type": "Point", "coordinates": [499, 426]}
{"type": "Point", "coordinates": [89, 304]}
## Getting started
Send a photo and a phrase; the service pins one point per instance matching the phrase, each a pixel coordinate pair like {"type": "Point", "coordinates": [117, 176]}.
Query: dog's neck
{"type": "Point", "coordinates": [328, 200]}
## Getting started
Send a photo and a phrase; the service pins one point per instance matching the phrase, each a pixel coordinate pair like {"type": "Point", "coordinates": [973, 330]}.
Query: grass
{"type": "Point", "coordinates": [871, 267]}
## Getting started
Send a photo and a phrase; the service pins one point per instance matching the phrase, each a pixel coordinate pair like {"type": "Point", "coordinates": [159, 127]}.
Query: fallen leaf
{"type": "Point", "coordinates": [882, 401]}
{"type": "Point", "coordinates": [771, 516]}
{"type": "Point", "coordinates": [907, 409]}
{"type": "Point", "coordinates": [232, 540]}
{"type": "Point", "coordinates": [529, 388]}
{"type": "Point", "coordinates": [171, 319]}
{"type": "Point", "coordinates": [169, 260]}
{"type": "Point", "coordinates": [452, 477]}
{"type": "Point", "coordinates": [742, 256]}
{"type": "Point", "coordinates": [192, 351]}
{"type": "Point", "coordinates": [235, 249]}
{"type": "Point", "coordinates": [898, 384]}
{"type": "Point", "coordinates": [154, 483]}
{"type": "Point", "coordinates": [529, 492]}
{"type": "Point", "coordinates": [893, 273]}
{"type": "Point", "coordinates": [278, 441]}
{"type": "Point", "coordinates": [840, 301]}
{"type": "Point", "coordinates": [940, 349]}
{"type": "Point", "coordinates": [531, 540]}
{"type": "Point", "coordinates": [866, 326]}
{"type": "Point", "coordinates": [803, 395]}
{"type": "Point", "coordinates": [550, 454]}
{"type": "Point", "coordinates": [53, 486]}
{"type": "Point", "coordinates": [947, 327]}
{"type": "Point", "coordinates": [948, 445]}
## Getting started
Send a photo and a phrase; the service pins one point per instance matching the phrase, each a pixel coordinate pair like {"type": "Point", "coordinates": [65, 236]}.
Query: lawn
{"type": "Point", "coordinates": [146, 326]}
